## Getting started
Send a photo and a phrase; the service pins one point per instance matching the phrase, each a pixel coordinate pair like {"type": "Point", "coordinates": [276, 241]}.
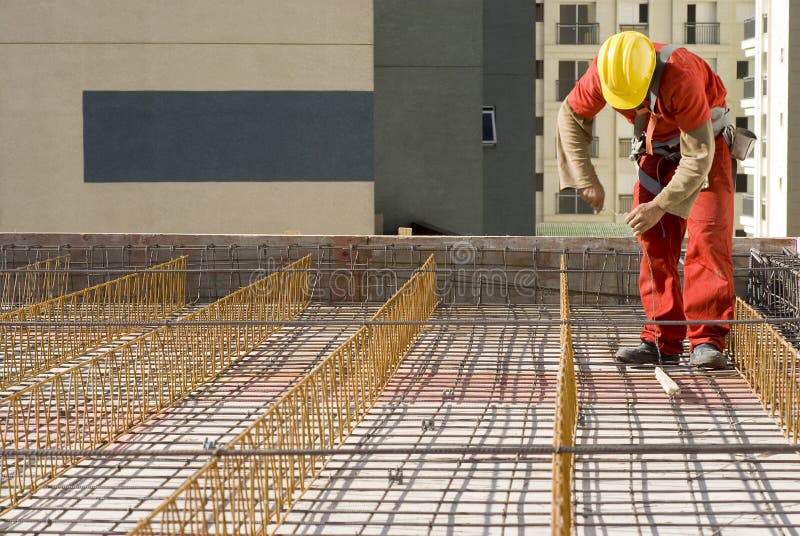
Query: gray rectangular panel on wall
{"type": "Point", "coordinates": [227, 136]}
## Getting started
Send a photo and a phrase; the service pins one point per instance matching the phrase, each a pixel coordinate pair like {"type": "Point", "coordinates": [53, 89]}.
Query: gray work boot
{"type": "Point", "coordinates": [707, 356]}
{"type": "Point", "coordinates": [644, 354]}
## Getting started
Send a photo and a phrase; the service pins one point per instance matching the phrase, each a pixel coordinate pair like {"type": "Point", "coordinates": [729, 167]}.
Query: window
{"type": "Point", "coordinates": [539, 69]}
{"type": "Point", "coordinates": [742, 122]}
{"type": "Point", "coordinates": [701, 26]}
{"type": "Point", "coordinates": [742, 69]}
{"type": "Point", "coordinates": [574, 26]}
{"type": "Point", "coordinates": [740, 233]}
{"type": "Point", "coordinates": [539, 125]}
{"type": "Point", "coordinates": [539, 11]}
{"type": "Point", "coordinates": [644, 13]}
{"type": "Point", "coordinates": [540, 182]}
{"type": "Point", "coordinates": [741, 182]}
{"type": "Point", "coordinates": [568, 73]}
{"type": "Point", "coordinates": [569, 201]}
{"type": "Point", "coordinates": [489, 126]}
{"type": "Point", "coordinates": [575, 13]}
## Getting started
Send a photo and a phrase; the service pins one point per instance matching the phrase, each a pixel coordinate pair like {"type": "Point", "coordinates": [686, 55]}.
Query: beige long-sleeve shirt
{"type": "Point", "coordinates": [575, 168]}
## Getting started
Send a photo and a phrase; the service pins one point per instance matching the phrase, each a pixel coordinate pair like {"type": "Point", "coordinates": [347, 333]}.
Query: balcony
{"type": "Point", "coordinates": [563, 87]}
{"type": "Point", "coordinates": [749, 87]}
{"type": "Point", "coordinates": [750, 28]}
{"type": "Point", "coordinates": [747, 205]}
{"type": "Point", "coordinates": [582, 33]}
{"type": "Point", "coordinates": [701, 33]}
{"type": "Point", "coordinates": [625, 147]}
{"type": "Point", "coordinates": [641, 28]}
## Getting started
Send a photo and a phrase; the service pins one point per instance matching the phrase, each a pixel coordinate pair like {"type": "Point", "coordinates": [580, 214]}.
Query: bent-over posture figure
{"type": "Point", "coordinates": [677, 105]}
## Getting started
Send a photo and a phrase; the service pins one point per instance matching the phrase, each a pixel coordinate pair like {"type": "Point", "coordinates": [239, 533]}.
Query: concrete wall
{"type": "Point", "coordinates": [508, 85]}
{"type": "Point", "coordinates": [437, 63]}
{"type": "Point", "coordinates": [54, 51]}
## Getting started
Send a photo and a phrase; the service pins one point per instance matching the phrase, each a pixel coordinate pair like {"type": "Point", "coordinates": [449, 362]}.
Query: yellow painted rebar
{"type": "Point", "coordinates": [36, 282]}
{"type": "Point", "coordinates": [566, 420]}
{"type": "Point", "coordinates": [769, 364]}
{"type": "Point", "coordinates": [140, 297]}
{"type": "Point", "coordinates": [253, 494]}
{"type": "Point", "coordinates": [91, 404]}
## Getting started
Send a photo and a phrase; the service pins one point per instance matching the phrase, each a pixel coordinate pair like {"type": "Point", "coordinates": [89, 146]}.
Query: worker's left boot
{"type": "Point", "coordinates": [707, 355]}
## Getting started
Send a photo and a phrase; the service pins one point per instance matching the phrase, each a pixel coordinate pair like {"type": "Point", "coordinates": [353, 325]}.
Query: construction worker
{"type": "Point", "coordinates": [677, 106]}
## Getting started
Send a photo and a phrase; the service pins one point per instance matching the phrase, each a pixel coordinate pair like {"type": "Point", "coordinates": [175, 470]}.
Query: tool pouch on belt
{"type": "Point", "coordinates": [741, 142]}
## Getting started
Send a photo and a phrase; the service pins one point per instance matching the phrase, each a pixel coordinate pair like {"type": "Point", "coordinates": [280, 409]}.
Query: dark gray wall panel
{"type": "Point", "coordinates": [428, 160]}
{"type": "Point", "coordinates": [428, 97]}
{"type": "Point", "coordinates": [228, 136]}
{"type": "Point", "coordinates": [428, 32]}
{"type": "Point", "coordinates": [509, 86]}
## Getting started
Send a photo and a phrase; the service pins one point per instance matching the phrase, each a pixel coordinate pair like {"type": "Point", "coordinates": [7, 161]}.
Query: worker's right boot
{"type": "Point", "coordinates": [645, 354]}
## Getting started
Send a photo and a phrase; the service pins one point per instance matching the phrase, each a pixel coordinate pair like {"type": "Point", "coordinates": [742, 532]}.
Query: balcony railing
{"type": "Point", "coordinates": [701, 33]}
{"type": "Point", "coordinates": [747, 205]}
{"type": "Point", "coordinates": [749, 87]}
{"type": "Point", "coordinates": [595, 150]}
{"type": "Point", "coordinates": [763, 85]}
{"type": "Point", "coordinates": [641, 28]}
{"type": "Point", "coordinates": [765, 22]}
{"type": "Point", "coordinates": [624, 203]}
{"type": "Point", "coordinates": [563, 87]}
{"type": "Point", "coordinates": [624, 147]}
{"type": "Point", "coordinates": [582, 33]}
{"type": "Point", "coordinates": [750, 28]}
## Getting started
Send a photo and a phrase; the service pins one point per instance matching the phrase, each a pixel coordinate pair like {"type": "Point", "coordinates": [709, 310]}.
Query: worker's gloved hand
{"type": "Point", "coordinates": [644, 216]}
{"type": "Point", "coordinates": [595, 195]}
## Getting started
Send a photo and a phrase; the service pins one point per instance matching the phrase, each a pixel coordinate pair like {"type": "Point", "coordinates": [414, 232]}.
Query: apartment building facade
{"type": "Point", "coordinates": [568, 35]}
{"type": "Point", "coordinates": [771, 44]}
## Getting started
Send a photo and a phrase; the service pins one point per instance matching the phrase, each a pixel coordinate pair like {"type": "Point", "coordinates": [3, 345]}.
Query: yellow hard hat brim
{"type": "Point", "coordinates": [627, 102]}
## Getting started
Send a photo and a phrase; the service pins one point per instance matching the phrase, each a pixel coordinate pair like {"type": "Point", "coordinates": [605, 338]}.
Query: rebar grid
{"type": "Point", "coordinates": [502, 381]}
{"type": "Point", "coordinates": [566, 419]}
{"type": "Point", "coordinates": [477, 270]}
{"type": "Point", "coordinates": [36, 282]}
{"type": "Point", "coordinates": [769, 363]}
{"type": "Point", "coordinates": [141, 297]}
{"type": "Point", "coordinates": [90, 404]}
{"type": "Point", "coordinates": [774, 288]}
{"type": "Point", "coordinates": [253, 495]}
{"type": "Point", "coordinates": [102, 496]}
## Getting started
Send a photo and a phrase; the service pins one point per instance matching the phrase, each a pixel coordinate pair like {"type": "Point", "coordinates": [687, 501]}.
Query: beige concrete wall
{"type": "Point", "coordinates": [51, 51]}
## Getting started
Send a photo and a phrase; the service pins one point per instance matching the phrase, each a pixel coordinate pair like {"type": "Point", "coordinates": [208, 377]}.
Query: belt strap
{"type": "Point", "coordinates": [648, 182]}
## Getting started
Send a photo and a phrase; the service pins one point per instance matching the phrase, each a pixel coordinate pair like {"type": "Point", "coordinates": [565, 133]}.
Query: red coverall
{"type": "Point", "coordinates": [688, 90]}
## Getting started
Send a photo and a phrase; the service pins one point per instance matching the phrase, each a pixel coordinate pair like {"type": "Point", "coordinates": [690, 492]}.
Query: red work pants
{"type": "Point", "coordinates": [708, 268]}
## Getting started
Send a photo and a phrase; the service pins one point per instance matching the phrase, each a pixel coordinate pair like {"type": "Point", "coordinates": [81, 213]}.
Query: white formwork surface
{"type": "Point", "coordinates": [469, 385]}
{"type": "Point", "coordinates": [110, 495]}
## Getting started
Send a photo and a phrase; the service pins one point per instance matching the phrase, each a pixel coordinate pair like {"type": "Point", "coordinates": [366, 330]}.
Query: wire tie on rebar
{"type": "Point", "coordinates": [448, 394]}
{"type": "Point", "coordinates": [209, 444]}
{"type": "Point", "coordinates": [427, 424]}
{"type": "Point", "coordinates": [396, 475]}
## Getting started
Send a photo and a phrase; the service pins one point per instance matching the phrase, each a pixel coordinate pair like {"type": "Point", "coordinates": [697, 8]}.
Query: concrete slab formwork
{"type": "Point", "coordinates": [482, 375]}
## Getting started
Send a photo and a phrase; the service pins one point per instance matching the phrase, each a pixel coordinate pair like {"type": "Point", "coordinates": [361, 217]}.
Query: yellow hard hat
{"type": "Point", "coordinates": [625, 63]}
